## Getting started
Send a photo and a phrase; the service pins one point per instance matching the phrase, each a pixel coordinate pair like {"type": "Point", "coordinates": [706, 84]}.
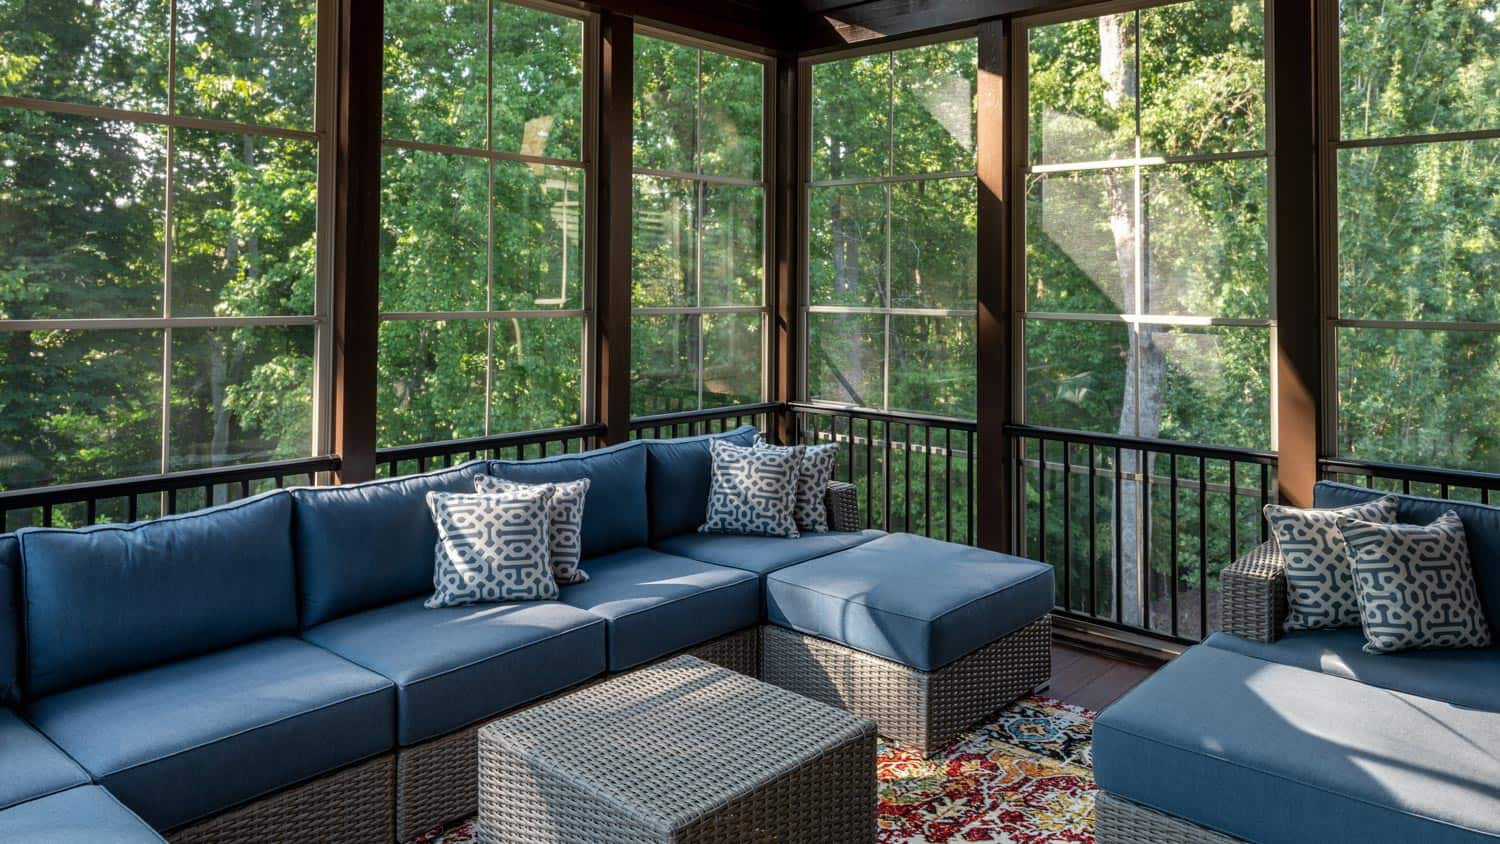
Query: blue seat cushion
{"type": "Point", "coordinates": [918, 601]}
{"type": "Point", "coordinates": [1463, 677]}
{"type": "Point", "coordinates": [614, 511]}
{"type": "Point", "coordinates": [1481, 529]}
{"type": "Point", "coordinates": [458, 665]}
{"type": "Point", "coordinates": [657, 604]}
{"type": "Point", "coordinates": [105, 600]}
{"type": "Point", "coordinates": [30, 765]}
{"type": "Point", "coordinates": [366, 545]}
{"type": "Point", "coordinates": [677, 479]}
{"type": "Point", "coordinates": [86, 813]}
{"type": "Point", "coordinates": [182, 741]}
{"type": "Point", "coordinates": [1273, 753]}
{"type": "Point", "coordinates": [761, 554]}
{"type": "Point", "coordinates": [10, 620]}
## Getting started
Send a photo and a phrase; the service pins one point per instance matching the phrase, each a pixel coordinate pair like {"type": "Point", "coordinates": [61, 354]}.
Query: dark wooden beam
{"type": "Point", "coordinates": [786, 238]}
{"type": "Point", "coordinates": [993, 465]}
{"type": "Point", "coordinates": [355, 319]}
{"type": "Point", "coordinates": [612, 299]}
{"type": "Point", "coordinates": [848, 24]}
{"type": "Point", "coordinates": [749, 23]}
{"type": "Point", "coordinates": [1295, 233]}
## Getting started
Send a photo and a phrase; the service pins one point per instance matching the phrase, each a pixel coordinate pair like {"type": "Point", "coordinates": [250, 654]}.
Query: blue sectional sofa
{"type": "Point", "coordinates": [266, 667]}
{"type": "Point", "coordinates": [1308, 738]}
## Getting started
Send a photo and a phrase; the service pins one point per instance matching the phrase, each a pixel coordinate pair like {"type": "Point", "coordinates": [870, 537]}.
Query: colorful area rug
{"type": "Point", "coordinates": [1026, 778]}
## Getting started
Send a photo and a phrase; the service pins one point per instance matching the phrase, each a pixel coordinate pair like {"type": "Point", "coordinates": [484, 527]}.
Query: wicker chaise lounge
{"type": "Point", "coordinates": [1262, 735]}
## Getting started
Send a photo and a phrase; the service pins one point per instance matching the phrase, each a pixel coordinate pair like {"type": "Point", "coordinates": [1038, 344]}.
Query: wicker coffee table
{"type": "Point", "coordinates": [679, 751]}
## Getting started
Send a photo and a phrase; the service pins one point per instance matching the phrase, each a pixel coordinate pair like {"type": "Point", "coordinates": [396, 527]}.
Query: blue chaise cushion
{"type": "Point", "coordinates": [614, 512]}
{"type": "Point", "coordinates": [762, 554]}
{"type": "Point", "coordinates": [657, 604]}
{"type": "Point", "coordinates": [459, 665]}
{"type": "Point", "coordinates": [30, 765]}
{"type": "Point", "coordinates": [677, 479]}
{"type": "Point", "coordinates": [105, 600]}
{"type": "Point", "coordinates": [183, 741]}
{"type": "Point", "coordinates": [918, 601]}
{"type": "Point", "coordinates": [1481, 531]}
{"type": "Point", "coordinates": [367, 545]}
{"type": "Point", "coordinates": [1463, 677]}
{"type": "Point", "coordinates": [1272, 753]}
{"type": "Point", "coordinates": [86, 813]}
{"type": "Point", "coordinates": [10, 620]}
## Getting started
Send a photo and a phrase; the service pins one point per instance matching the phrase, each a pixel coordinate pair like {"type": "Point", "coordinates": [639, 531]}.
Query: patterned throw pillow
{"type": "Point", "coordinates": [810, 511]}
{"type": "Point", "coordinates": [491, 548]}
{"type": "Point", "coordinates": [752, 490]}
{"type": "Point", "coordinates": [1416, 585]}
{"type": "Point", "coordinates": [1320, 584]}
{"type": "Point", "coordinates": [564, 522]}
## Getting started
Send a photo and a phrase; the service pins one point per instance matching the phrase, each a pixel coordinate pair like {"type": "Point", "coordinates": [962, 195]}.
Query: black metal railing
{"type": "Point", "coordinates": [1451, 484]}
{"type": "Point", "coordinates": [411, 459]}
{"type": "Point", "coordinates": [1137, 529]}
{"type": "Point", "coordinates": [690, 423]}
{"type": "Point", "coordinates": [152, 496]}
{"type": "Point", "coordinates": [914, 473]}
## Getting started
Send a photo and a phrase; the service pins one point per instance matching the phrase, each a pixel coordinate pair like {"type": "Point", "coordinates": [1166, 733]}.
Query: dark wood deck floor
{"type": "Point", "coordinates": [1093, 679]}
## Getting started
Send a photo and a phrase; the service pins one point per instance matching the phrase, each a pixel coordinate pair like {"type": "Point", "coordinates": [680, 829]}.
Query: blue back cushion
{"type": "Point", "coordinates": [614, 512]}
{"type": "Point", "coordinates": [110, 599]}
{"type": "Point", "coordinates": [677, 479]}
{"type": "Point", "coordinates": [367, 545]}
{"type": "Point", "coordinates": [1481, 528]}
{"type": "Point", "coordinates": [10, 621]}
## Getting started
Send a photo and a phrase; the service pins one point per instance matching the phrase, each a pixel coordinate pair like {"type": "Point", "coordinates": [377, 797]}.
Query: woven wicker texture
{"type": "Point", "coordinates": [355, 805]}
{"type": "Point", "coordinates": [918, 708]}
{"type": "Point", "coordinates": [1254, 594]}
{"type": "Point", "coordinates": [679, 751]}
{"type": "Point", "coordinates": [1121, 821]}
{"type": "Point", "coordinates": [843, 506]}
{"type": "Point", "coordinates": [437, 781]}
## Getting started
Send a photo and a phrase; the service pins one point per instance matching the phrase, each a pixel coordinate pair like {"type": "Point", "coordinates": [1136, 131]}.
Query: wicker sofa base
{"type": "Point", "coordinates": [354, 805]}
{"type": "Point", "coordinates": [1121, 821]}
{"type": "Point", "coordinates": [924, 709]}
{"type": "Point", "coordinates": [437, 781]}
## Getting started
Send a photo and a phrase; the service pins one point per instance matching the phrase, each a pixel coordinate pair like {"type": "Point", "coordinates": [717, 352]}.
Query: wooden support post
{"type": "Point", "coordinates": [612, 300]}
{"type": "Point", "coordinates": [786, 234]}
{"type": "Point", "coordinates": [994, 359]}
{"type": "Point", "coordinates": [356, 236]}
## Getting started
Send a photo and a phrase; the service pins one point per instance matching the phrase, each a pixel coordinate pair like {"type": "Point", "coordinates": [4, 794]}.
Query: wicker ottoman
{"type": "Point", "coordinates": [925, 638]}
{"type": "Point", "coordinates": [675, 752]}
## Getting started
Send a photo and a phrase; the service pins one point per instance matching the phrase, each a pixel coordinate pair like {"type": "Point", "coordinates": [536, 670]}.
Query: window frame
{"type": "Point", "coordinates": [700, 181]}
{"type": "Point", "coordinates": [325, 86]}
{"type": "Point", "coordinates": [805, 185]}
{"type": "Point", "coordinates": [586, 165]}
{"type": "Point", "coordinates": [1018, 115]}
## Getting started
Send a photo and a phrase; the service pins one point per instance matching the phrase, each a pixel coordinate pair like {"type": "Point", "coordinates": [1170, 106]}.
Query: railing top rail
{"type": "Point", "coordinates": [1210, 452]}
{"type": "Point", "coordinates": [1414, 474]}
{"type": "Point", "coordinates": [478, 444]}
{"type": "Point", "coordinates": [20, 499]}
{"type": "Point", "coordinates": [882, 415]}
{"type": "Point", "coordinates": [707, 414]}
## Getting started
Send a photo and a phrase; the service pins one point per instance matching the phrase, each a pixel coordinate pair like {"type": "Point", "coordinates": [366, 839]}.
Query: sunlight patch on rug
{"type": "Point", "coordinates": [1025, 778]}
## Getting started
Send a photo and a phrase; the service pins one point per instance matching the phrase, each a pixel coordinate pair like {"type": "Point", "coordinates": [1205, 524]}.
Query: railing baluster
{"type": "Point", "coordinates": [1265, 498]}
{"type": "Point", "coordinates": [927, 481]}
{"type": "Point", "coordinates": [1119, 590]}
{"type": "Point", "coordinates": [1202, 548]}
{"type": "Point", "coordinates": [1093, 602]}
{"type": "Point", "coordinates": [948, 484]}
{"type": "Point", "coordinates": [1234, 510]}
{"type": "Point", "coordinates": [1143, 539]}
{"type": "Point", "coordinates": [869, 473]}
{"type": "Point", "coordinates": [1041, 499]}
{"type": "Point", "coordinates": [906, 479]}
{"type": "Point", "coordinates": [46, 515]}
{"type": "Point", "coordinates": [1067, 524]}
{"type": "Point", "coordinates": [885, 470]}
{"type": "Point", "coordinates": [92, 515]}
{"type": "Point", "coordinates": [1172, 517]}
{"type": "Point", "coordinates": [969, 484]}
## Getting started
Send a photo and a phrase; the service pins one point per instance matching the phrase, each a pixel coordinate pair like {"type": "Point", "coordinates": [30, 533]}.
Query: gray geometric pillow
{"type": "Point", "coordinates": [1416, 585]}
{"type": "Point", "coordinates": [490, 548]}
{"type": "Point", "coordinates": [1320, 583]}
{"type": "Point", "coordinates": [752, 491]}
{"type": "Point", "coordinates": [810, 511]}
{"type": "Point", "coordinates": [564, 522]}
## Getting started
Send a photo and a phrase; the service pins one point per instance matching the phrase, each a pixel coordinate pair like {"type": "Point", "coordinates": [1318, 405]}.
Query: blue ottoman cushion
{"type": "Point", "coordinates": [1272, 753]}
{"type": "Point", "coordinates": [458, 665]}
{"type": "Point", "coordinates": [31, 766]}
{"type": "Point", "coordinates": [183, 741]}
{"type": "Point", "coordinates": [918, 601]}
{"type": "Point", "coordinates": [657, 604]}
{"type": "Point", "coordinates": [86, 813]}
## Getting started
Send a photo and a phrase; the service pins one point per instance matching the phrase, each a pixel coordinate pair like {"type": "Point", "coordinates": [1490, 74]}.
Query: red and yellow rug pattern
{"type": "Point", "coordinates": [1025, 778]}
